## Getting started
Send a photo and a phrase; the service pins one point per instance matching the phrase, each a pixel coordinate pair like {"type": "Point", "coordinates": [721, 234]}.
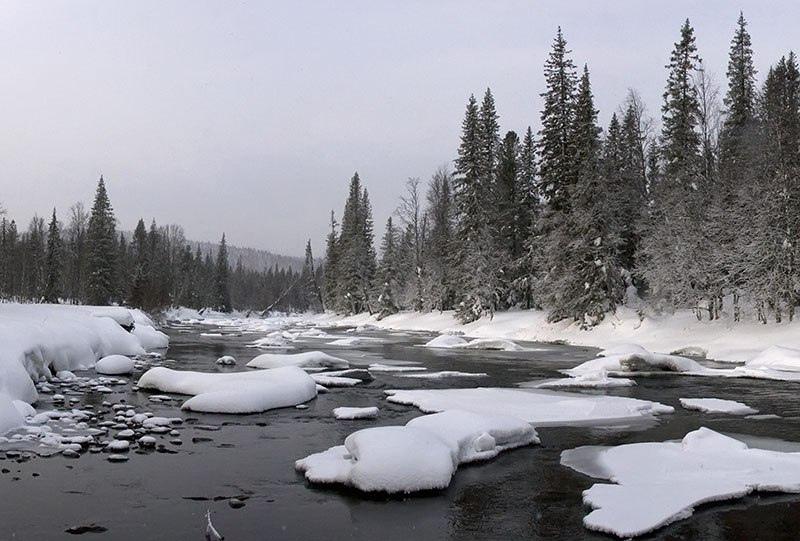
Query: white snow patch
{"type": "Point", "coordinates": [347, 412]}
{"type": "Point", "coordinates": [446, 341]}
{"type": "Point", "coordinates": [114, 365]}
{"type": "Point", "coordinates": [538, 407]}
{"type": "Point", "coordinates": [308, 359]}
{"type": "Point", "coordinates": [660, 482]}
{"type": "Point", "coordinates": [445, 374]}
{"type": "Point", "coordinates": [235, 392]}
{"type": "Point", "coordinates": [717, 405]}
{"type": "Point", "coordinates": [422, 455]}
{"type": "Point", "coordinates": [598, 380]}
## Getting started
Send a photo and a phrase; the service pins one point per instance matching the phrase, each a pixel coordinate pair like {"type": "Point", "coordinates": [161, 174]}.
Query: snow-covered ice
{"type": "Point", "coordinates": [445, 374]}
{"type": "Point", "coordinates": [446, 341]}
{"type": "Point", "coordinates": [598, 380]}
{"type": "Point", "coordinates": [114, 365]}
{"type": "Point", "coordinates": [380, 367]}
{"type": "Point", "coordinates": [308, 359]}
{"type": "Point", "coordinates": [235, 392]}
{"type": "Point", "coordinates": [661, 482]}
{"type": "Point", "coordinates": [449, 341]}
{"type": "Point", "coordinates": [353, 341]}
{"type": "Point", "coordinates": [347, 412]}
{"type": "Point", "coordinates": [422, 455]}
{"type": "Point", "coordinates": [335, 381]}
{"type": "Point", "coordinates": [538, 407]}
{"type": "Point", "coordinates": [717, 405]}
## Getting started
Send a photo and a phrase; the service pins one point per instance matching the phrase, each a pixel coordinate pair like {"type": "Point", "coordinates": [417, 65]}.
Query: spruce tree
{"type": "Point", "coordinates": [556, 147]}
{"type": "Point", "coordinates": [222, 292]}
{"type": "Point", "coordinates": [101, 240]}
{"type": "Point", "coordinates": [439, 287]}
{"type": "Point", "coordinates": [54, 262]}
{"type": "Point", "coordinates": [388, 271]}
{"type": "Point", "coordinates": [141, 270]}
{"type": "Point", "coordinates": [331, 280]}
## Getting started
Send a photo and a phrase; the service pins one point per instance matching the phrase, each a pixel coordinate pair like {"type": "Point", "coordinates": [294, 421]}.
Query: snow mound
{"type": "Point", "coordinates": [776, 358]}
{"type": "Point", "coordinates": [537, 407]}
{"type": "Point", "coordinates": [235, 392]}
{"type": "Point", "coordinates": [335, 381]}
{"type": "Point", "coordinates": [10, 415]}
{"type": "Point", "coordinates": [308, 359]}
{"type": "Point", "coordinates": [346, 412]}
{"type": "Point", "coordinates": [378, 367]}
{"type": "Point", "coordinates": [226, 360]}
{"type": "Point", "coordinates": [704, 467]}
{"type": "Point", "coordinates": [114, 365]}
{"type": "Point", "coordinates": [446, 341]}
{"type": "Point", "coordinates": [422, 455]}
{"type": "Point", "coordinates": [717, 405]}
{"type": "Point", "coordinates": [633, 358]}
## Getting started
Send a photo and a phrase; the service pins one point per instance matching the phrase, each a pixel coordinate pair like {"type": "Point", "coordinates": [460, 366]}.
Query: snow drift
{"type": "Point", "coordinates": [234, 392]}
{"type": "Point", "coordinates": [309, 359]}
{"type": "Point", "coordinates": [422, 455]}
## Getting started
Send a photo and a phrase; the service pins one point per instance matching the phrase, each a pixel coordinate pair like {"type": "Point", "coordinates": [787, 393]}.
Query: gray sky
{"type": "Point", "coordinates": [250, 117]}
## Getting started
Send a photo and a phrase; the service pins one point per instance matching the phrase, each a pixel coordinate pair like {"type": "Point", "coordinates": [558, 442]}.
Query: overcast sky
{"type": "Point", "coordinates": [250, 117]}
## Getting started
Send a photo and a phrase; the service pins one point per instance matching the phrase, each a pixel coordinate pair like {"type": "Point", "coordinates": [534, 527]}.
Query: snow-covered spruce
{"type": "Point", "coordinates": [308, 359]}
{"type": "Point", "coordinates": [704, 467]}
{"type": "Point", "coordinates": [537, 407]}
{"type": "Point", "coordinates": [422, 455]}
{"type": "Point", "coordinates": [236, 392]}
{"type": "Point", "coordinates": [346, 412]}
{"type": "Point", "coordinates": [717, 405]}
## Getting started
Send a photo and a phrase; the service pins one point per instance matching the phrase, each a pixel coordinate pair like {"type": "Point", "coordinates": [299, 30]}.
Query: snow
{"type": "Point", "coordinates": [234, 392]}
{"type": "Point", "coordinates": [40, 340]}
{"type": "Point", "coordinates": [114, 365]}
{"type": "Point", "coordinates": [661, 482]}
{"type": "Point", "coordinates": [595, 380]}
{"type": "Point", "coordinates": [634, 358]}
{"type": "Point", "coordinates": [10, 416]}
{"type": "Point", "coordinates": [537, 407]}
{"type": "Point", "coordinates": [226, 360]}
{"type": "Point", "coordinates": [776, 358]}
{"type": "Point", "coordinates": [422, 455]}
{"type": "Point", "coordinates": [346, 412]}
{"type": "Point", "coordinates": [447, 341]}
{"type": "Point", "coordinates": [380, 367]}
{"type": "Point", "coordinates": [445, 374]}
{"type": "Point", "coordinates": [717, 405]}
{"type": "Point", "coordinates": [721, 339]}
{"type": "Point", "coordinates": [334, 381]}
{"type": "Point", "coordinates": [308, 359]}
{"type": "Point", "coordinates": [353, 341]}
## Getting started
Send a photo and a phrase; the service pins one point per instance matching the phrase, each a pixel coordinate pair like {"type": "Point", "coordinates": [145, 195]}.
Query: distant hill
{"type": "Point", "coordinates": [252, 258]}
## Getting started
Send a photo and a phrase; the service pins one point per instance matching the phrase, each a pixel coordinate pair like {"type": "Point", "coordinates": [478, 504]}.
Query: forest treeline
{"type": "Point", "coordinates": [701, 211]}
{"type": "Point", "coordinates": [87, 261]}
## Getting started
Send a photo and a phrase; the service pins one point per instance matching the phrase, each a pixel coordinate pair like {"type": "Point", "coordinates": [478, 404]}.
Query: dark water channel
{"type": "Point", "coordinates": [522, 494]}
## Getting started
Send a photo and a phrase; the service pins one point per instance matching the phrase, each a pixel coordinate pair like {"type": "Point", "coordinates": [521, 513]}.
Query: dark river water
{"type": "Point", "coordinates": [522, 494]}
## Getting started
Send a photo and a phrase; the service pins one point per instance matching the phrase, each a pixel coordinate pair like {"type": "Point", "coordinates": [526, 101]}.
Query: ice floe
{"type": "Point", "coordinates": [347, 412]}
{"type": "Point", "coordinates": [308, 359]}
{"type": "Point", "coordinates": [445, 374]}
{"type": "Point", "coordinates": [661, 482]}
{"type": "Point", "coordinates": [235, 392]}
{"type": "Point", "coordinates": [598, 380]}
{"type": "Point", "coordinates": [538, 407]}
{"type": "Point", "coordinates": [717, 405]}
{"type": "Point", "coordinates": [422, 455]}
{"type": "Point", "coordinates": [448, 341]}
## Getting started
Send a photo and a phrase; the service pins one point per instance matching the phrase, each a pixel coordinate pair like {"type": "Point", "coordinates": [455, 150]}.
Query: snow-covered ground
{"type": "Point", "coordinates": [38, 341]}
{"type": "Point", "coordinates": [722, 339]}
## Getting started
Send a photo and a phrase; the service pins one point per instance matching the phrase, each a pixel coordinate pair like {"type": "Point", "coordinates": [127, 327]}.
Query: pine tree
{"type": "Point", "coordinates": [141, 271]}
{"type": "Point", "coordinates": [467, 187]}
{"type": "Point", "coordinates": [439, 287]}
{"type": "Point", "coordinates": [101, 239]}
{"type": "Point", "coordinates": [222, 292]}
{"type": "Point", "coordinates": [54, 262]}
{"type": "Point", "coordinates": [308, 279]}
{"type": "Point", "coordinates": [529, 210]}
{"type": "Point", "coordinates": [556, 147]}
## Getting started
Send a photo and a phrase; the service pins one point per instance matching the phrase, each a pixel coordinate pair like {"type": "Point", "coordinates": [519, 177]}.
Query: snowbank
{"type": "Point", "coordinates": [721, 339]}
{"type": "Point", "coordinates": [114, 365]}
{"type": "Point", "coordinates": [234, 392]}
{"type": "Point", "coordinates": [537, 407]}
{"type": "Point", "coordinates": [634, 358]}
{"type": "Point", "coordinates": [717, 405]}
{"type": "Point", "coordinates": [776, 358]}
{"type": "Point", "coordinates": [704, 467]}
{"type": "Point", "coordinates": [346, 412]}
{"type": "Point", "coordinates": [39, 340]}
{"type": "Point", "coordinates": [308, 359]}
{"type": "Point", "coordinates": [422, 455]}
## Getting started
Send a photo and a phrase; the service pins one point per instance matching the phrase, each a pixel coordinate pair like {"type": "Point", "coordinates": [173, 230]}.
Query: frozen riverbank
{"type": "Point", "coordinates": [723, 339]}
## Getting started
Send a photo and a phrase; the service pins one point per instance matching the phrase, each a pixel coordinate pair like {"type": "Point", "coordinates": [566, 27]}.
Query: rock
{"type": "Point", "coordinates": [117, 458]}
